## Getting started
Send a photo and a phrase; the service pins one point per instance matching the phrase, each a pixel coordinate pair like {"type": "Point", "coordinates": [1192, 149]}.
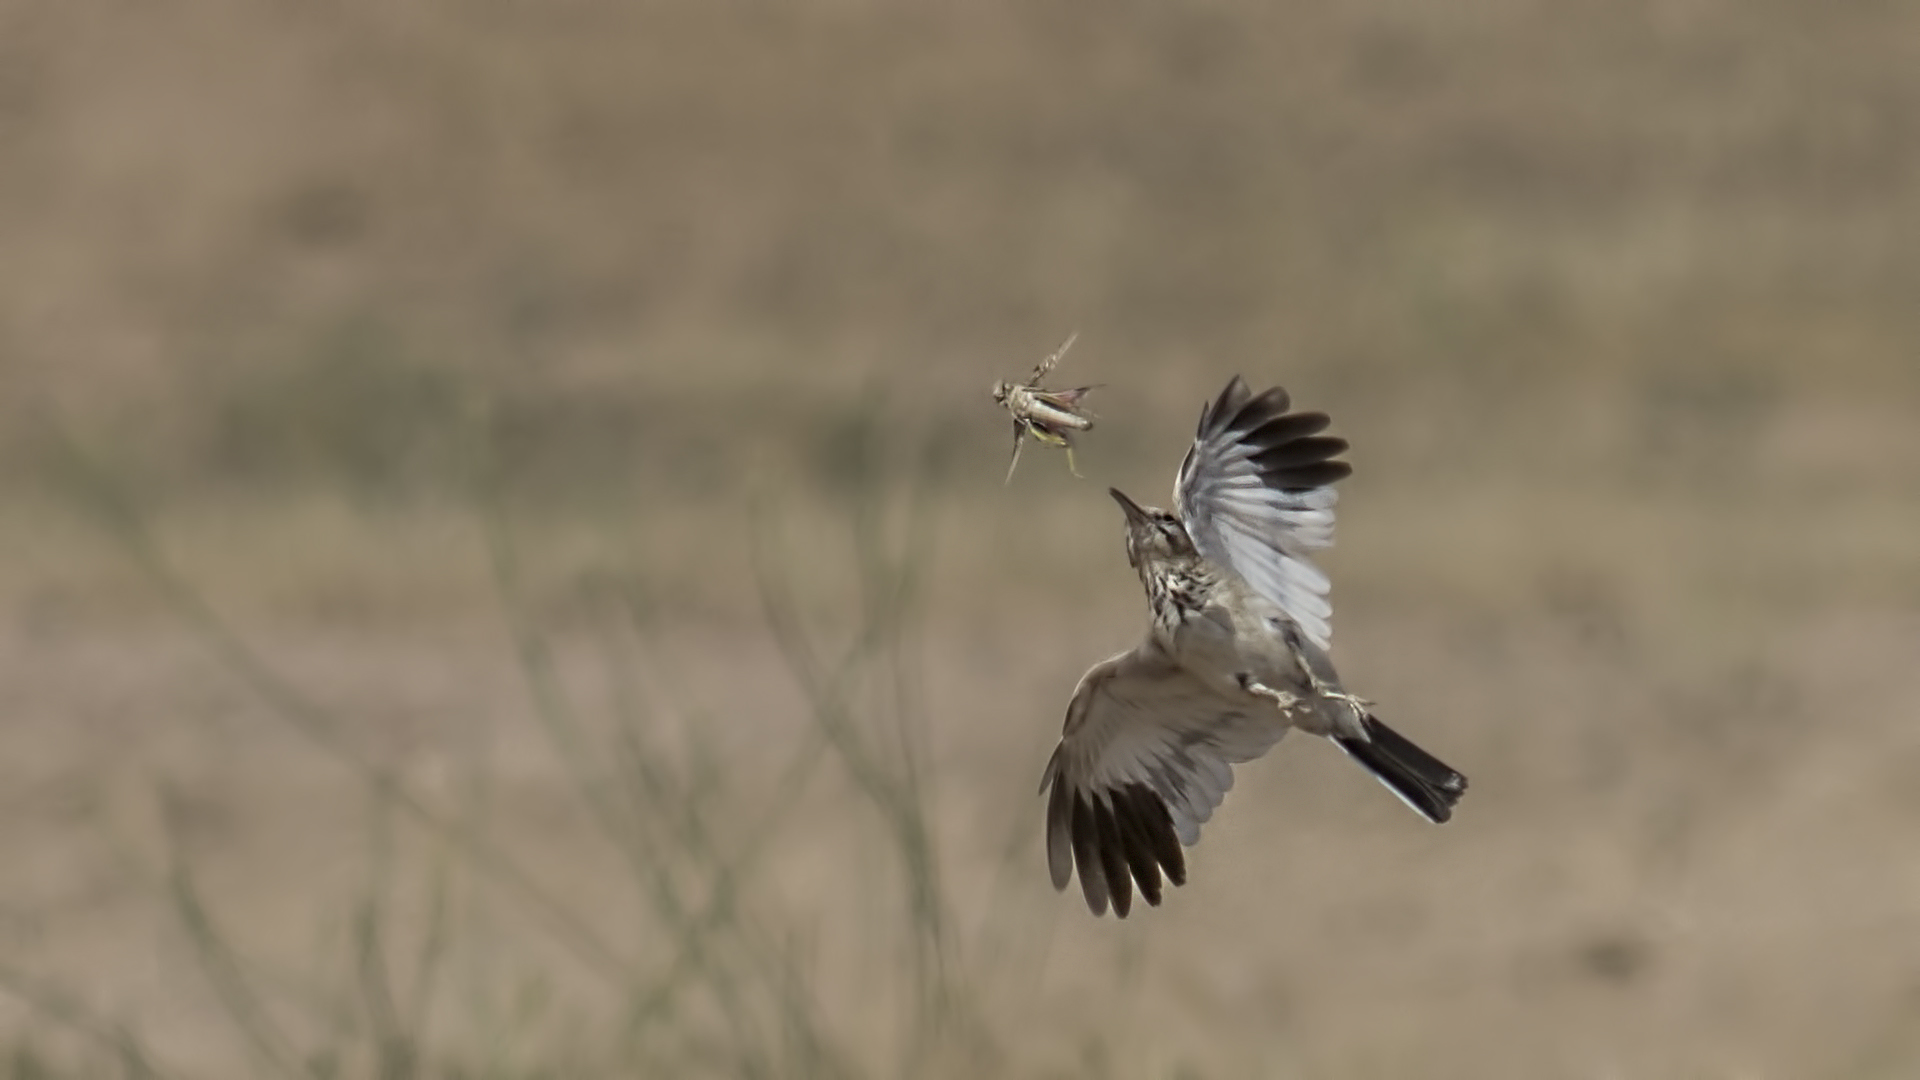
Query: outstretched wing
{"type": "Point", "coordinates": [1143, 763]}
{"type": "Point", "coordinates": [1255, 491]}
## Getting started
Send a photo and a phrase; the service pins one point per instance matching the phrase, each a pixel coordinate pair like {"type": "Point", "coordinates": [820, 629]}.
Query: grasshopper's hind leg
{"type": "Point", "coordinates": [1019, 436]}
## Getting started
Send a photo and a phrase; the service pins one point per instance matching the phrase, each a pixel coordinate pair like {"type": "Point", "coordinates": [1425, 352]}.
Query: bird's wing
{"type": "Point", "coordinates": [1143, 763]}
{"type": "Point", "coordinates": [1256, 493]}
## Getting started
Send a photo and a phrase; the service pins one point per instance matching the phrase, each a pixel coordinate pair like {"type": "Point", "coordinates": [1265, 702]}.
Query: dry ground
{"type": "Point", "coordinates": [374, 313]}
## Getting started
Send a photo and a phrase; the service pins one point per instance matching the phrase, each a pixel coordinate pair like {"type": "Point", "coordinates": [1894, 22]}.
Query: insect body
{"type": "Point", "coordinates": [1050, 417]}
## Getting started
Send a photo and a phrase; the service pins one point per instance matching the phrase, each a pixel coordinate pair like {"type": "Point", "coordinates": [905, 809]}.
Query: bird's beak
{"type": "Point", "coordinates": [1135, 515]}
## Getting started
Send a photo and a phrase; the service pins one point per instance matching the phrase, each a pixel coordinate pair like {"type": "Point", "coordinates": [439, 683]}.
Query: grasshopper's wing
{"type": "Point", "coordinates": [1256, 492]}
{"type": "Point", "coordinates": [1145, 759]}
{"type": "Point", "coordinates": [1067, 400]}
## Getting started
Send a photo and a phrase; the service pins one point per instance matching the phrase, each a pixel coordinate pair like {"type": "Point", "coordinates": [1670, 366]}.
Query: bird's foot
{"type": "Point", "coordinates": [1287, 702]}
{"type": "Point", "coordinates": [1358, 704]}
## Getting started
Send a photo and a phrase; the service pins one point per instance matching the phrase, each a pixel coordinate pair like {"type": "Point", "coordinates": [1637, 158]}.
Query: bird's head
{"type": "Point", "coordinates": [1153, 534]}
{"type": "Point", "coordinates": [1001, 388]}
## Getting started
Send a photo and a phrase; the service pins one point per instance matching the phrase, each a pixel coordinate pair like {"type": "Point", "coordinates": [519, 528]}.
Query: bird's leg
{"type": "Point", "coordinates": [1320, 686]}
{"type": "Point", "coordinates": [1040, 371]}
{"type": "Point", "coordinates": [1327, 690]}
{"type": "Point", "coordinates": [1285, 701]}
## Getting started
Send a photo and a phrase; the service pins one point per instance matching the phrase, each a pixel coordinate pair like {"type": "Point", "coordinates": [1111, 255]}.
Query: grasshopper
{"type": "Point", "coordinates": [1048, 416]}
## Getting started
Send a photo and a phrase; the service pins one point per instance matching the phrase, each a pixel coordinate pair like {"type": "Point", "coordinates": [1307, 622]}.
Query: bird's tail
{"type": "Point", "coordinates": [1422, 781]}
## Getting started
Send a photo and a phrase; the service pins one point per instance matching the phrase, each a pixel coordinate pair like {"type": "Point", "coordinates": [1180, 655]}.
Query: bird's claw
{"type": "Point", "coordinates": [1286, 702]}
{"type": "Point", "coordinates": [1358, 704]}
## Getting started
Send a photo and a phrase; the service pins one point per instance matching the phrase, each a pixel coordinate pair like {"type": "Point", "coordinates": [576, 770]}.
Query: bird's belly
{"type": "Point", "coordinates": [1209, 646]}
{"type": "Point", "coordinates": [1227, 653]}
{"type": "Point", "coordinates": [1208, 630]}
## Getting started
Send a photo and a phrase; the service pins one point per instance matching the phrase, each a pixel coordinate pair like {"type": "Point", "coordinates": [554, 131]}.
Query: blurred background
{"type": "Point", "coordinates": [507, 573]}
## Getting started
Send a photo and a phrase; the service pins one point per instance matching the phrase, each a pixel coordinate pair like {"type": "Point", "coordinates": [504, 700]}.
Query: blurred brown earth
{"type": "Point", "coordinates": [1618, 303]}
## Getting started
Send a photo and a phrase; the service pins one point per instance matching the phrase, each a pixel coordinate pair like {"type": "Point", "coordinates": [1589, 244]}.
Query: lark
{"type": "Point", "coordinates": [1051, 417]}
{"type": "Point", "coordinates": [1235, 656]}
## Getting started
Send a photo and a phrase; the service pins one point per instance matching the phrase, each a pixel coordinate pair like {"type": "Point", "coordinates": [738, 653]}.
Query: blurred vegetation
{"type": "Point", "coordinates": [713, 979]}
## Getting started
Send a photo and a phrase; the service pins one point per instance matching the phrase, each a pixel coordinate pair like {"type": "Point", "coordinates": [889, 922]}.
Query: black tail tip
{"type": "Point", "coordinates": [1424, 782]}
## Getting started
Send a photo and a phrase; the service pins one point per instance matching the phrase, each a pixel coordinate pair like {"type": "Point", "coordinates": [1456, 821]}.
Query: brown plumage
{"type": "Point", "coordinates": [1235, 655]}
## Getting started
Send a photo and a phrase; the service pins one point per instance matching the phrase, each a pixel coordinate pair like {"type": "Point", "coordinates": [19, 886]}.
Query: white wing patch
{"type": "Point", "coordinates": [1255, 491]}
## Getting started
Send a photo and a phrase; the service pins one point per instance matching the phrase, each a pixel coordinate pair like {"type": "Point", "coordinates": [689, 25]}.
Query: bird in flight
{"type": "Point", "coordinates": [1235, 655]}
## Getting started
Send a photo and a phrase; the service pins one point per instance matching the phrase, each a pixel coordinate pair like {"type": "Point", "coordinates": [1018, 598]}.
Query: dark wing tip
{"type": "Point", "coordinates": [1289, 452]}
{"type": "Point", "coordinates": [1119, 839]}
{"type": "Point", "coordinates": [1086, 837]}
{"type": "Point", "coordinates": [1220, 412]}
{"type": "Point", "coordinates": [1059, 826]}
{"type": "Point", "coordinates": [1293, 453]}
{"type": "Point", "coordinates": [1260, 409]}
{"type": "Point", "coordinates": [1262, 422]}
